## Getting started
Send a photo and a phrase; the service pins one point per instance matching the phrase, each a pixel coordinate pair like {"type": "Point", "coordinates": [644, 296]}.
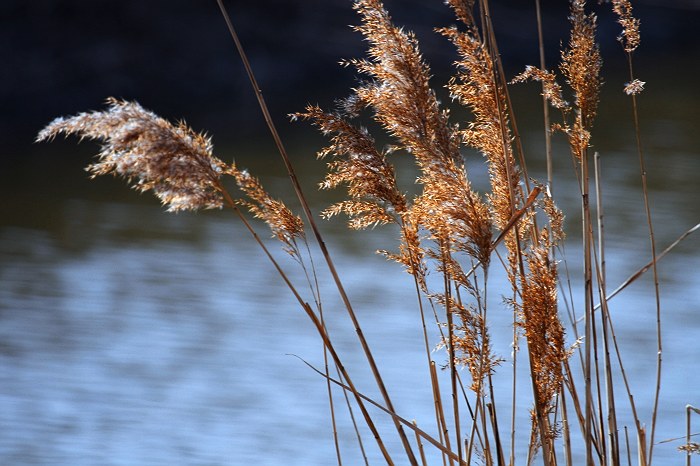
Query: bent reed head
{"type": "Point", "coordinates": [152, 154]}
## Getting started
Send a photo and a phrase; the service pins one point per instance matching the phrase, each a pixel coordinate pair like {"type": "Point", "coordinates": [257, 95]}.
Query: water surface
{"type": "Point", "coordinates": [132, 336]}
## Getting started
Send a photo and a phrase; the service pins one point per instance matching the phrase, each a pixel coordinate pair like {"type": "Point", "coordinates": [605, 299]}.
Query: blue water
{"type": "Point", "coordinates": [131, 336]}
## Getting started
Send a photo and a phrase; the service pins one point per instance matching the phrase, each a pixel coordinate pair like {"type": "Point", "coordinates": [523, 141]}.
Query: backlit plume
{"type": "Point", "coordinates": [151, 153]}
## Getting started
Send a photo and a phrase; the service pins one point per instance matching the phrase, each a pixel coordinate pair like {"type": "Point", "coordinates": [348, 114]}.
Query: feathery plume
{"type": "Point", "coordinates": [285, 226]}
{"type": "Point", "coordinates": [634, 87]}
{"type": "Point", "coordinates": [472, 343]}
{"type": "Point", "coordinates": [581, 65]}
{"type": "Point", "coordinates": [629, 38]}
{"type": "Point", "coordinates": [463, 10]}
{"type": "Point", "coordinates": [406, 106]}
{"type": "Point", "coordinates": [540, 320]}
{"type": "Point", "coordinates": [551, 90]}
{"type": "Point", "coordinates": [173, 161]}
{"type": "Point", "coordinates": [690, 448]}
{"type": "Point", "coordinates": [475, 87]}
{"type": "Point", "coordinates": [555, 217]}
{"type": "Point", "coordinates": [369, 177]}
{"type": "Point", "coordinates": [400, 92]}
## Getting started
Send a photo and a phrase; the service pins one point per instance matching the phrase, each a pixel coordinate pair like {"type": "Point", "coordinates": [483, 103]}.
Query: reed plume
{"type": "Point", "coordinates": [356, 162]}
{"type": "Point", "coordinates": [543, 329]}
{"type": "Point", "coordinates": [551, 90]}
{"type": "Point", "coordinates": [406, 106]}
{"type": "Point", "coordinates": [581, 64]}
{"type": "Point", "coordinates": [629, 38]}
{"type": "Point", "coordinates": [151, 153]}
{"type": "Point", "coordinates": [472, 344]}
{"type": "Point", "coordinates": [285, 225]}
{"type": "Point", "coordinates": [475, 87]}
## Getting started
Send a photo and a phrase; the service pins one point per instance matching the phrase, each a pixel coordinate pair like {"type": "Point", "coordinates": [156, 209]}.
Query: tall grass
{"type": "Point", "coordinates": [452, 237]}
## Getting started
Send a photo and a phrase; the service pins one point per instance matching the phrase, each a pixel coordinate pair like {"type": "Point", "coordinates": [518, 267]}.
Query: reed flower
{"type": "Point", "coordinates": [540, 320]}
{"type": "Point", "coordinates": [285, 225]}
{"type": "Point", "coordinates": [152, 154]}
{"type": "Point", "coordinates": [634, 87]}
{"type": "Point", "coordinates": [581, 64]}
{"type": "Point", "coordinates": [475, 87]}
{"type": "Point", "coordinates": [408, 109]}
{"type": "Point", "coordinates": [551, 90]}
{"type": "Point", "coordinates": [359, 165]}
{"type": "Point", "coordinates": [400, 92]}
{"type": "Point", "coordinates": [690, 448]}
{"type": "Point", "coordinates": [463, 9]}
{"type": "Point", "coordinates": [472, 344]}
{"type": "Point", "coordinates": [630, 25]}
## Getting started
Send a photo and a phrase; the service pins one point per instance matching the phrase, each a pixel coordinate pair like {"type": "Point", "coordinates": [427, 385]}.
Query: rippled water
{"type": "Point", "coordinates": [132, 336]}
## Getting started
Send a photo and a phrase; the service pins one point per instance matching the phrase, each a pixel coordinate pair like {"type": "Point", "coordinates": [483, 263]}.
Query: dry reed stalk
{"type": "Point", "coordinates": [581, 64]}
{"type": "Point", "coordinates": [319, 239]}
{"type": "Point", "coordinates": [285, 225]}
{"type": "Point", "coordinates": [406, 107]}
{"type": "Point", "coordinates": [152, 154]}
{"type": "Point", "coordinates": [370, 178]}
{"type": "Point", "coordinates": [602, 287]}
{"type": "Point", "coordinates": [545, 106]}
{"type": "Point", "coordinates": [177, 164]}
{"type": "Point", "coordinates": [630, 39]}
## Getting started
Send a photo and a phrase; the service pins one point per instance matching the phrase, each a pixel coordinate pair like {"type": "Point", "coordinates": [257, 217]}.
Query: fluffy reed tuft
{"type": "Point", "coordinates": [406, 106]}
{"type": "Point", "coordinates": [152, 154]}
{"type": "Point", "coordinates": [551, 89]}
{"type": "Point", "coordinates": [540, 320]}
{"type": "Point", "coordinates": [475, 87]}
{"type": "Point", "coordinates": [581, 64]}
{"type": "Point", "coordinates": [285, 225]}
{"type": "Point", "coordinates": [472, 344]}
{"type": "Point", "coordinates": [634, 87]}
{"type": "Point", "coordinates": [690, 448]}
{"type": "Point", "coordinates": [173, 161]}
{"type": "Point", "coordinates": [370, 179]}
{"type": "Point", "coordinates": [630, 25]}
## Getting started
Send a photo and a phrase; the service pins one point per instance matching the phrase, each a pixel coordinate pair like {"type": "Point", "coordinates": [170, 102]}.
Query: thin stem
{"type": "Point", "coordinates": [688, 453]}
{"type": "Point", "coordinates": [647, 209]}
{"type": "Point", "coordinates": [629, 452]}
{"type": "Point", "coordinates": [514, 387]}
{"type": "Point", "coordinates": [309, 312]}
{"type": "Point", "coordinates": [588, 290]}
{"type": "Point", "coordinates": [599, 262]}
{"type": "Point", "coordinates": [316, 293]}
{"type": "Point", "coordinates": [566, 429]}
{"type": "Point", "coordinates": [614, 448]}
{"type": "Point", "coordinates": [317, 234]}
{"type": "Point", "coordinates": [424, 435]}
{"type": "Point", "coordinates": [360, 443]}
{"type": "Point", "coordinates": [496, 436]}
{"type": "Point", "coordinates": [646, 267]}
{"type": "Point", "coordinates": [440, 412]}
{"type": "Point", "coordinates": [420, 446]}
{"type": "Point", "coordinates": [545, 104]}
{"type": "Point", "coordinates": [450, 345]}
{"type": "Point", "coordinates": [623, 373]}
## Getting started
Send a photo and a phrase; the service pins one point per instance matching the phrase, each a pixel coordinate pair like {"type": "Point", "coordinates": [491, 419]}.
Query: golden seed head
{"type": "Point", "coordinates": [173, 161]}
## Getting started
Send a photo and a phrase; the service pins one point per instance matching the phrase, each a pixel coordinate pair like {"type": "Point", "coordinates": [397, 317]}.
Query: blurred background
{"type": "Point", "coordinates": [132, 336]}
